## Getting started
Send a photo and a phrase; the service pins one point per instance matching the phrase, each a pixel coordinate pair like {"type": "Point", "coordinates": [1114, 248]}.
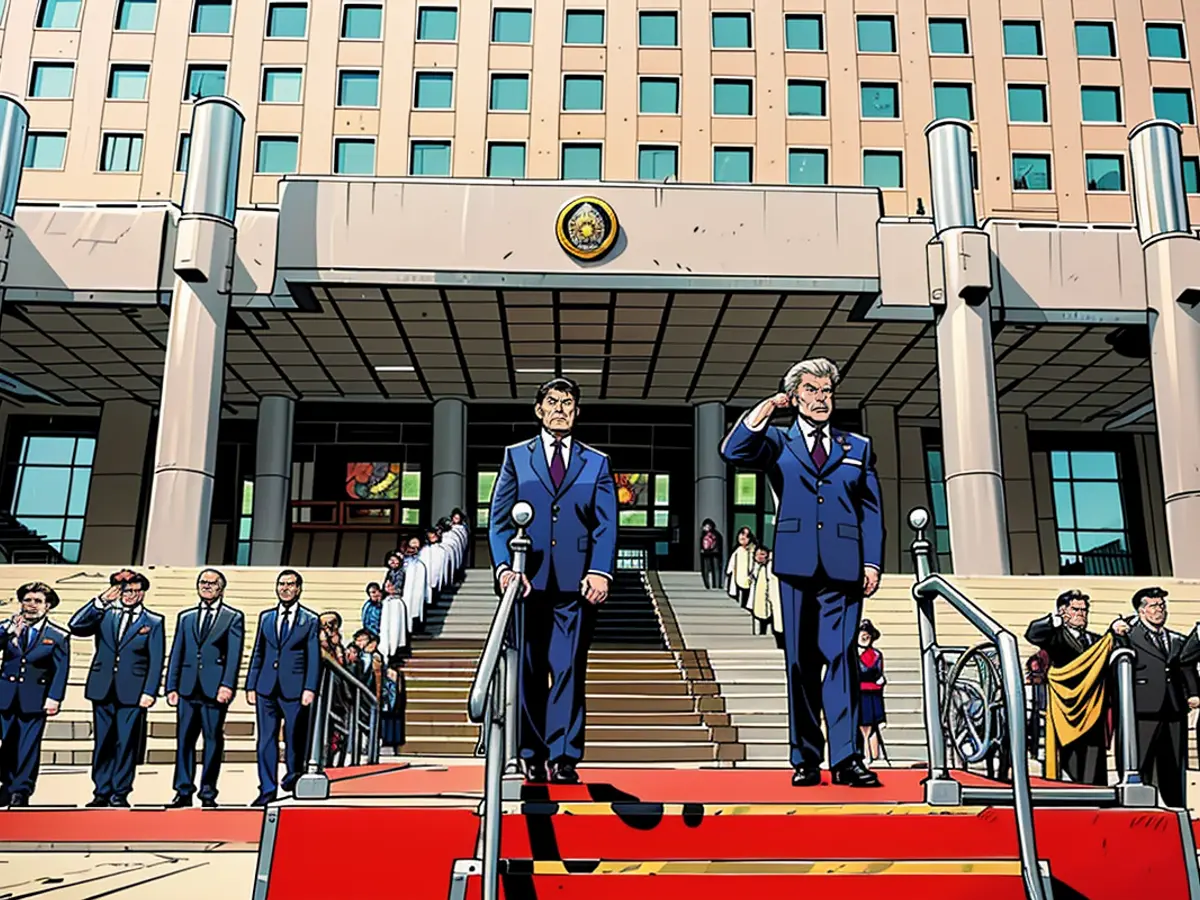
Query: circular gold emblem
{"type": "Point", "coordinates": [587, 228]}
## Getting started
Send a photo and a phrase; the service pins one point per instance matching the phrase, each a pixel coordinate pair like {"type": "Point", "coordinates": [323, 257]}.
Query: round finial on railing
{"type": "Point", "coordinates": [522, 514]}
{"type": "Point", "coordinates": [918, 520]}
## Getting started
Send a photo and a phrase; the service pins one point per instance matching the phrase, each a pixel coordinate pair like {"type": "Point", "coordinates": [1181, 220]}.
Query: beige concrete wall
{"type": "Point", "coordinates": [843, 133]}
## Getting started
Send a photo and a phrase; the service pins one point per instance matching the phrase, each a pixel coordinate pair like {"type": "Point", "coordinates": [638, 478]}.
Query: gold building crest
{"type": "Point", "coordinates": [587, 228]}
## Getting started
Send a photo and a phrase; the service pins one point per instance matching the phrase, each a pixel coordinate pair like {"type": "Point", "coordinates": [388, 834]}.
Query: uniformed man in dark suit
{"type": "Point", "coordinates": [1064, 636]}
{"type": "Point", "coordinates": [201, 679]}
{"type": "Point", "coordinates": [1165, 687]}
{"type": "Point", "coordinates": [33, 681]}
{"type": "Point", "coordinates": [123, 680]}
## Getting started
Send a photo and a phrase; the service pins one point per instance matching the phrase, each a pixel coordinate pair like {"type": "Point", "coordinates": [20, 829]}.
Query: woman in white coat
{"type": "Point", "coordinates": [739, 571]}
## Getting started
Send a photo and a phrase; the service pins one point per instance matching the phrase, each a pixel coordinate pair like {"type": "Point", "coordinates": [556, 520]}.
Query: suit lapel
{"type": "Point", "coordinates": [574, 467]}
{"type": "Point", "coordinates": [133, 627]}
{"type": "Point", "coordinates": [112, 623]}
{"type": "Point", "coordinates": [795, 441]}
{"type": "Point", "coordinates": [537, 459]}
{"type": "Point", "coordinates": [1148, 642]}
{"type": "Point", "coordinates": [837, 449]}
{"type": "Point", "coordinates": [270, 627]}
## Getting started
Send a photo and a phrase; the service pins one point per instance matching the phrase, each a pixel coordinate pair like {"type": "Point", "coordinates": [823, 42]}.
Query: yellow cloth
{"type": "Point", "coordinates": [1075, 699]}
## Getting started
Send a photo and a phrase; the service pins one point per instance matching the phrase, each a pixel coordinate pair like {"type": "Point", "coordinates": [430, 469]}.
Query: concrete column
{"type": "Point", "coordinates": [190, 409]}
{"type": "Point", "coordinates": [272, 480]}
{"type": "Point", "coordinates": [712, 473]}
{"type": "Point", "coordinates": [1021, 506]}
{"type": "Point", "coordinates": [960, 282]}
{"type": "Point", "coordinates": [914, 487]}
{"type": "Point", "coordinates": [1172, 254]}
{"type": "Point", "coordinates": [879, 424]}
{"type": "Point", "coordinates": [449, 457]}
{"type": "Point", "coordinates": [110, 527]}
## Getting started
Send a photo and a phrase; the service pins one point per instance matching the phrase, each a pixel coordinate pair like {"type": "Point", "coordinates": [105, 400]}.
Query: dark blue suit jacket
{"type": "Point", "coordinates": [829, 519]}
{"type": "Point", "coordinates": [197, 668]}
{"type": "Point", "coordinates": [29, 679]}
{"type": "Point", "coordinates": [574, 529]}
{"type": "Point", "coordinates": [133, 665]}
{"type": "Point", "coordinates": [289, 670]}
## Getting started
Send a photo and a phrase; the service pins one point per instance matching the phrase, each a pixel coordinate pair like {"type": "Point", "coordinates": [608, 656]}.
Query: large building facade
{"type": "Point", "coordinates": [282, 277]}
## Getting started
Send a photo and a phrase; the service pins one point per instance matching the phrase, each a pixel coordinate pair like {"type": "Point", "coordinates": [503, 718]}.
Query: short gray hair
{"type": "Point", "coordinates": [818, 367]}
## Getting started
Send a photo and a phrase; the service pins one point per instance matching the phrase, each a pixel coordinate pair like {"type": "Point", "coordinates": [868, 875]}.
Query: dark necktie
{"type": "Point", "coordinates": [126, 621]}
{"type": "Point", "coordinates": [284, 630]}
{"type": "Point", "coordinates": [1163, 643]}
{"type": "Point", "coordinates": [207, 624]}
{"type": "Point", "coordinates": [558, 468]}
{"type": "Point", "coordinates": [819, 456]}
{"type": "Point", "coordinates": [28, 642]}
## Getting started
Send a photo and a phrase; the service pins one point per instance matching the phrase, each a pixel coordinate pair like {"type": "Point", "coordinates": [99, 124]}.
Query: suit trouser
{"type": "Point", "coordinates": [195, 716]}
{"type": "Point", "coordinates": [557, 631]}
{"type": "Point", "coordinates": [710, 570]}
{"type": "Point", "coordinates": [1163, 763]}
{"type": "Point", "coordinates": [20, 750]}
{"type": "Point", "coordinates": [117, 734]}
{"type": "Point", "coordinates": [820, 629]}
{"type": "Point", "coordinates": [269, 712]}
{"type": "Point", "coordinates": [1086, 760]}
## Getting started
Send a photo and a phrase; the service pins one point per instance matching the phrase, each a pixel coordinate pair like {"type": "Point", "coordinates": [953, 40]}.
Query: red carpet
{"type": "Point", "coordinates": [151, 825]}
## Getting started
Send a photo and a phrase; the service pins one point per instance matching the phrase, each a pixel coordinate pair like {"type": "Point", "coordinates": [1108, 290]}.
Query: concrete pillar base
{"type": "Point", "coordinates": [712, 473]}
{"type": "Point", "coordinates": [449, 483]}
{"type": "Point", "coordinates": [272, 480]}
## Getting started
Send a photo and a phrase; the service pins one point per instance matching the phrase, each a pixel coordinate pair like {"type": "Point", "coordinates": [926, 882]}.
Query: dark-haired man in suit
{"type": "Point", "coordinates": [201, 678]}
{"type": "Point", "coordinates": [1065, 637]}
{"type": "Point", "coordinates": [123, 681]}
{"type": "Point", "coordinates": [281, 683]}
{"type": "Point", "coordinates": [568, 573]}
{"type": "Point", "coordinates": [1165, 687]}
{"type": "Point", "coordinates": [36, 656]}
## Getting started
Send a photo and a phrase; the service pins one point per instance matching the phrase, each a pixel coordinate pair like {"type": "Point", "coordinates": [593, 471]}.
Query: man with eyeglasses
{"type": "Point", "coordinates": [1165, 687]}
{"type": "Point", "coordinates": [123, 680]}
{"type": "Point", "coordinates": [201, 678]}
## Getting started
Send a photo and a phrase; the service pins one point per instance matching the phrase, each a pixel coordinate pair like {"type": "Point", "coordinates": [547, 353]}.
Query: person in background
{"type": "Point", "coordinates": [416, 586]}
{"type": "Point", "coordinates": [458, 521]}
{"type": "Point", "coordinates": [762, 600]}
{"type": "Point", "coordinates": [393, 705]}
{"type": "Point", "coordinates": [1035, 676]}
{"type": "Point", "coordinates": [738, 571]}
{"type": "Point", "coordinates": [456, 550]}
{"type": "Point", "coordinates": [870, 688]}
{"type": "Point", "coordinates": [395, 619]}
{"type": "Point", "coordinates": [711, 551]}
{"type": "Point", "coordinates": [362, 660]}
{"type": "Point", "coordinates": [372, 611]}
{"type": "Point", "coordinates": [35, 656]}
{"type": "Point", "coordinates": [123, 679]}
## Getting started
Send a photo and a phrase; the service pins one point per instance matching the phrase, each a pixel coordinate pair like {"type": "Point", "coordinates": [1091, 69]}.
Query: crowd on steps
{"type": "Point", "coordinates": [298, 657]}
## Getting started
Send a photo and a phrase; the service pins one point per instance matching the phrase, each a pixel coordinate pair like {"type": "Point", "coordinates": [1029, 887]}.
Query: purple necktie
{"type": "Point", "coordinates": [558, 469]}
{"type": "Point", "coordinates": [818, 450]}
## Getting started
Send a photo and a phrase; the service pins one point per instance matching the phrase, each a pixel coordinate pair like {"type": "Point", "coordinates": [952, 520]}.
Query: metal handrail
{"type": "Point", "coordinates": [493, 700]}
{"type": "Point", "coordinates": [314, 783]}
{"type": "Point", "coordinates": [940, 787]}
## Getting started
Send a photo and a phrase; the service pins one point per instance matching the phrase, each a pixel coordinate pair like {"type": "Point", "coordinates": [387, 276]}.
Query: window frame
{"type": "Point", "coordinates": [339, 139]}
{"type": "Point", "coordinates": [416, 83]}
{"type": "Point", "coordinates": [51, 63]}
{"type": "Point", "coordinates": [797, 14]}
{"type": "Point", "coordinates": [39, 13]}
{"type": "Point", "coordinates": [787, 110]}
{"type": "Point", "coordinates": [1129, 490]}
{"type": "Point", "coordinates": [899, 116]}
{"type": "Point", "coordinates": [505, 73]}
{"type": "Point", "coordinates": [897, 151]}
{"type": "Point", "coordinates": [1038, 24]}
{"type": "Point", "coordinates": [676, 146]}
{"type": "Point", "coordinates": [130, 67]}
{"type": "Point", "coordinates": [673, 13]}
{"type": "Point", "coordinates": [442, 6]}
{"type": "Point", "coordinates": [270, 136]}
{"type": "Point", "coordinates": [181, 138]}
{"type": "Point", "coordinates": [1123, 169]}
{"type": "Point", "coordinates": [1112, 31]}
{"type": "Point", "coordinates": [382, 7]}
{"type": "Point", "coordinates": [276, 67]}
{"type": "Point", "coordinates": [750, 148]}
{"type": "Point", "coordinates": [1187, 92]}
{"type": "Point", "coordinates": [585, 9]}
{"type": "Point", "coordinates": [583, 112]}
{"type": "Point", "coordinates": [120, 133]}
{"type": "Point", "coordinates": [890, 17]}
{"type": "Point", "coordinates": [117, 18]}
{"type": "Point", "coordinates": [505, 142]}
{"type": "Point", "coordinates": [1195, 161]}
{"type": "Point", "coordinates": [734, 79]}
{"type": "Point", "coordinates": [1181, 25]}
{"type": "Point", "coordinates": [193, 64]}
{"type": "Point", "coordinates": [29, 142]}
{"type": "Point", "coordinates": [272, 4]}
{"type": "Point", "coordinates": [193, 17]}
{"type": "Point", "coordinates": [676, 80]}
{"type": "Point", "coordinates": [502, 9]}
{"type": "Point", "coordinates": [580, 142]}
{"type": "Point", "coordinates": [968, 43]}
{"type": "Point", "coordinates": [712, 32]}
{"type": "Point", "coordinates": [1045, 88]}
{"type": "Point", "coordinates": [365, 70]}
{"type": "Point", "coordinates": [1050, 174]}
{"type": "Point", "coordinates": [413, 142]}
{"type": "Point", "coordinates": [798, 148]}
{"type": "Point", "coordinates": [72, 467]}
{"type": "Point", "coordinates": [1119, 120]}
{"type": "Point", "coordinates": [970, 86]}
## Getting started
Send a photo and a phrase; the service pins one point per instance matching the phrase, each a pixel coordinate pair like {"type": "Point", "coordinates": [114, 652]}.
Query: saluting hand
{"type": "Point", "coordinates": [768, 408]}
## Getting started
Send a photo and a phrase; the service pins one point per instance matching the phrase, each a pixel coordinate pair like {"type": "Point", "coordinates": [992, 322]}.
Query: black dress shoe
{"type": "Point", "coordinates": [180, 801]}
{"type": "Point", "coordinates": [263, 799]}
{"type": "Point", "coordinates": [535, 772]}
{"type": "Point", "coordinates": [806, 776]}
{"type": "Point", "coordinates": [852, 773]}
{"type": "Point", "coordinates": [208, 802]}
{"type": "Point", "coordinates": [564, 773]}
{"type": "Point", "coordinates": [119, 802]}
{"type": "Point", "coordinates": [98, 803]}
{"type": "Point", "coordinates": [18, 800]}
{"type": "Point", "coordinates": [5, 797]}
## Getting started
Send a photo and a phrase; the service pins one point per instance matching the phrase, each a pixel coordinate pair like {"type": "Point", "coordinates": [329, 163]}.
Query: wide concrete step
{"type": "Point", "coordinates": [421, 689]}
{"type": "Point", "coordinates": [595, 703]}
{"type": "Point", "coordinates": [594, 733]}
{"type": "Point", "coordinates": [595, 752]}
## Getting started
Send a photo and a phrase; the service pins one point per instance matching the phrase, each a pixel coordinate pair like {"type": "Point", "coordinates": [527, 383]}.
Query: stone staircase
{"type": "Point", "coordinates": [642, 705]}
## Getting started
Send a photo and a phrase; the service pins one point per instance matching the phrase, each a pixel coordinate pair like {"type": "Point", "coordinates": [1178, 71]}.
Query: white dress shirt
{"type": "Point", "coordinates": [202, 610]}
{"type": "Point", "coordinates": [292, 611]}
{"type": "Point", "coordinates": [548, 439]}
{"type": "Point", "coordinates": [129, 615]}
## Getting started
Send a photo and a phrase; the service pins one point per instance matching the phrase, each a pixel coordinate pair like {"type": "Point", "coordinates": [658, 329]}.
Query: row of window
{"type": "Point", "coordinates": [884, 169]}
{"type": "Point", "coordinates": [731, 30]}
{"type": "Point", "coordinates": [657, 95]}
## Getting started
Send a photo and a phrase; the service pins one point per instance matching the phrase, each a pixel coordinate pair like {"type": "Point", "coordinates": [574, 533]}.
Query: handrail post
{"type": "Point", "coordinates": [1131, 790]}
{"type": "Point", "coordinates": [519, 546]}
{"type": "Point", "coordinates": [314, 783]}
{"type": "Point", "coordinates": [493, 788]}
{"type": "Point", "coordinates": [355, 737]}
{"type": "Point", "coordinates": [940, 788]}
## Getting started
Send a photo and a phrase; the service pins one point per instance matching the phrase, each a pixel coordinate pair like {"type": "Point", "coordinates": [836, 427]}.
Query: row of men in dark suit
{"type": "Point", "coordinates": [1165, 687]}
{"type": "Point", "coordinates": [126, 672]}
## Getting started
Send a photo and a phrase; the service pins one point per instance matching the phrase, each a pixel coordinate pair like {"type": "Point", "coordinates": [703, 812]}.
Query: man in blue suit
{"type": "Point", "coordinates": [281, 683]}
{"type": "Point", "coordinates": [35, 655]}
{"type": "Point", "coordinates": [828, 552]}
{"type": "Point", "coordinates": [123, 681]}
{"type": "Point", "coordinates": [567, 574]}
{"type": "Point", "coordinates": [201, 678]}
